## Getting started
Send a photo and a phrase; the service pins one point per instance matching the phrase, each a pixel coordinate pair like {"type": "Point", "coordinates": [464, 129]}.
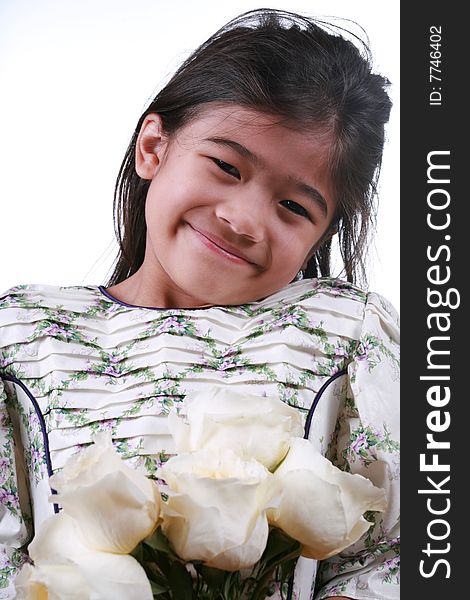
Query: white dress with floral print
{"type": "Point", "coordinates": [74, 360]}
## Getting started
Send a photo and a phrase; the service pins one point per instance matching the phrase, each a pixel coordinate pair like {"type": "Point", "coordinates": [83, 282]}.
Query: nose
{"type": "Point", "coordinates": [245, 214]}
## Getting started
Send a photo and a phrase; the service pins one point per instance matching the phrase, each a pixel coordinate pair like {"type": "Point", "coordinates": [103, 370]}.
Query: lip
{"type": "Point", "coordinates": [221, 247]}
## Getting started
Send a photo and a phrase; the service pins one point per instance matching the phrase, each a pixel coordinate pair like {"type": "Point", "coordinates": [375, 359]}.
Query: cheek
{"type": "Point", "coordinates": [292, 247]}
{"type": "Point", "coordinates": [151, 213]}
{"type": "Point", "coordinates": [161, 204]}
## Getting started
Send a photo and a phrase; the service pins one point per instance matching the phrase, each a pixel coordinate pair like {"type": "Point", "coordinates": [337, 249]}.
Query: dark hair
{"type": "Point", "coordinates": [292, 67]}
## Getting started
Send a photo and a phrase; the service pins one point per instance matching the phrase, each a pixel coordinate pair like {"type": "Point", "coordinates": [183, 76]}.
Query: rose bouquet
{"type": "Point", "coordinates": [242, 499]}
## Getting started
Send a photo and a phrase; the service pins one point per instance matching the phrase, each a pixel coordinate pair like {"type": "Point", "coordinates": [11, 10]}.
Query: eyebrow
{"type": "Point", "coordinates": [305, 189]}
{"type": "Point", "coordinates": [242, 150]}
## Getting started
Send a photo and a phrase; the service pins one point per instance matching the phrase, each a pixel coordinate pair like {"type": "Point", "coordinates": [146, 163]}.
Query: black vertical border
{"type": "Point", "coordinates": [426, 128]}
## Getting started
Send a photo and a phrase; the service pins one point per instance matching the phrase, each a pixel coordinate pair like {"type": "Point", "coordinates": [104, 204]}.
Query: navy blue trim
{"type": "Point", "coordinates": [308, 423]}
{"type": "Point", "coordinates": [320, 393]}
{"type": "Point", "coordinates": [42, 424]}
{"type": "Point", "coordinates": [113, 299]}
{"type": "Point", "coordinates": [290, 588]}
{"type": "Point", "coordinates": [102, 289]}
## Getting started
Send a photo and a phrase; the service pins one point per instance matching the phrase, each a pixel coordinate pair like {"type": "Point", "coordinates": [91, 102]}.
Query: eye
{"type": "Point", "coordinates": [296, 208]}
{"type": "Point", "coordinates": [227, 168]}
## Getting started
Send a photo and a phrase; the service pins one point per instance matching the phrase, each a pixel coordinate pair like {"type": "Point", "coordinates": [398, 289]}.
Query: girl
{"type": "Point", "coordinates": [265, 144]}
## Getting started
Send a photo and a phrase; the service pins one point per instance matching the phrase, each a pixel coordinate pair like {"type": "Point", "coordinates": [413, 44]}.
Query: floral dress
{"type": "Point", "coordinates": [74, 361]}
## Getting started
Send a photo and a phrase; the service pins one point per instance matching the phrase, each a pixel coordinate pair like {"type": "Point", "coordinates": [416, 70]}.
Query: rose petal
{"type": "Point", "coordinates": [59, 545]}
{"type": "Point", "coordinates": [225, 419]}
{"type": "Point", "coordinates": [216, 508]}
{"type": "Point", "coordinates": [246, 554]}
{"type": "Point", "coordinates": [51, 582]}
{"type": "Point", "coordinates": [322, 506]}
{"type": "Point", "coordinates": [115, 506]}
{"type": "Point", "coordinates": [112, 514]}
{"type": "Point", "coordinates": [115, 577]}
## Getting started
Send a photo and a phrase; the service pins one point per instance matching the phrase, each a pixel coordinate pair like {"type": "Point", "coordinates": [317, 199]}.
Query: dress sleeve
{"type": "Point", "coordinates": [15, 524]}
{"type": "Point", "coordinates": [367, 442]}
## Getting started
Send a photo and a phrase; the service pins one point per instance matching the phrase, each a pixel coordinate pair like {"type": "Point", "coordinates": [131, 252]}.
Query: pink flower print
{"type": "Point", "coordinates": [58, 418]}
{"type": "Point", "coordinates": [287, 319]}
{"type": "Point", "coordinates": [4, 467]}
{"type": "Point", "coordinates": [180, 327]}
{"type": "Point", "coordinates": [107, 425]}
{"type": "Point", "coordinates": [36, 458]}
{"type": "Point", "coordinates": [168, 324]}
{"type": "Point", "coordinates": [337, 290]}
{"type": "Point", "coordinates": [33, 422]}
{"type": "Point", "coordinates": [65, 316]}
{"type": "Point", "coordinates": [166, 384]}
{"type": "Point", "coordinates": [335, 369]}
{"type": "Point", "coordinates": [392, 563]}
{"type": "Point", "coordinates": [55, 330]}
{"type": "Point", "coordinates": [105, 306]}
{"type": "Point", "coordinates": [227, 364]}
{"type": "Point", "coordinates": [288, 394]}
{"type": "Point", "coordinates": [4, 362]}
{"type": "Point", "coordinates": [360, 443]}
{"type": "Point", "coordinates": [364, 349]}
{"type": "Point", "coordinates": [336, 590]}
{"type": "Point", "coordinates": [377, 433]}
{"type": "Point", "coordinates": [341, 351]}
{"type": "Point", "coordinates": [6, 497]}
{"type": "Point", "coordinates": [391, 570]}
{"type": "Point", "coordinates": [5, 562]}
{"type": "Point", "coordinates": [112, 371]}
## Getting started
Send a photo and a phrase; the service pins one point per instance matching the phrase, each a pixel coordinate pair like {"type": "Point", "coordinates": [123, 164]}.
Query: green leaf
{"type": "Point", "coordinates": [232, 585]}
{"type": "Point", "coordinates": [155, 574]}
{"type": "Point", "coordinates": [279, 544]}
{"type": "Point", "coordinates": [157, 589]}
{"type": "Point", "coordinates": [157, 541]}
{"type": "Point", "coordinates": [286, 569]}
{"type": "Point", "coordinates": [157, 562]}
{"type": "Point", "coordinates": [180, 581]}
{"type": "Point", "coordinates": [215, 578]}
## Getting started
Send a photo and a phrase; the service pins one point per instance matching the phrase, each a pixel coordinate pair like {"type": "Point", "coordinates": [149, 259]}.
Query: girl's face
{"type": "Point", "coordinates": [236, 206]}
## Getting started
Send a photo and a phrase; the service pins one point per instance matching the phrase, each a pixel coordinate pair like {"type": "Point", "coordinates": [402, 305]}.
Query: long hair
{"type": "Point", "coordinates": [306, 73]}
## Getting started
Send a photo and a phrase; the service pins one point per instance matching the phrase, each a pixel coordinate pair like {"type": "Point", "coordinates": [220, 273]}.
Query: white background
{"type": "Point", "coordinates": [76, 76]}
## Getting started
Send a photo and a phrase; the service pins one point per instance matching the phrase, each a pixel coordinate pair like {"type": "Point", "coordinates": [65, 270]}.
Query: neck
{"type": "Point", "coordinates": [148, 290]}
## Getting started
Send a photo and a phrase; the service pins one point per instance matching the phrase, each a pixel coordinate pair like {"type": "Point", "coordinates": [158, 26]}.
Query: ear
{"type": "Point", "coordinates": [150, 146]}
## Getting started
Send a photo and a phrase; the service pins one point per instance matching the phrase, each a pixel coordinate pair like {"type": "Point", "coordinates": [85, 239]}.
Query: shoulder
{"type": "Point", "coordinates": [33, 316]}
{"type": "Point", "coordinates": [336, 300]}
{"type": "Point", "coordinates": [37, 296]}
{"type": "Point", "coordinates": [326, 292]}
{"type": "Point", "coordinates": [24, 307]}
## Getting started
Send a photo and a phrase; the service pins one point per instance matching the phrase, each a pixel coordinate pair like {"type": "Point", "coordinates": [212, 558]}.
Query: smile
{"type": "Point", "coordinates": [220, 247]}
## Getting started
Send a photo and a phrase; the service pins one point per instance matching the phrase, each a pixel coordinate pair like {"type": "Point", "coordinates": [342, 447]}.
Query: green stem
{"type": "Point", "coordinates": [269, 573]}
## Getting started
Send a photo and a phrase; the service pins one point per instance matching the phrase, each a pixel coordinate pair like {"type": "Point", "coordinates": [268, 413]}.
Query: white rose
{"type": "Point", "coordinates": [216, 509]}
{"type": "Point", "coordinates": [114, 505]}
{"type": "Point", "coordinates": [322, 506]}
{"type": "Point", "coordinates": [253, 426]}
{"type": "Point", "coordinates": [66, 568]}
{"type": "Point", "coordinates": [51, 582]}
